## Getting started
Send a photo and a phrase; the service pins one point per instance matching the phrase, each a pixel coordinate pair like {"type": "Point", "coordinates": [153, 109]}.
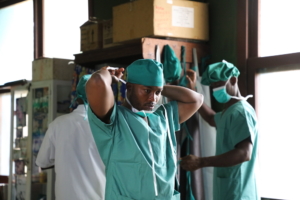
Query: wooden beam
{"type": "Point", "coordinates": [137, 49]}
{"type": "Point", "coordinates": [242, 44]}
{"type": "Point", "coordinates": [5, 3]}
{"type": "Point", "coordinates": [38, 11]}
{"type": "Point", "coordinates": [91, 12]}
{"type": "Point", "coordinates": [3, 179]}
{"type": "Point", "coordinates": [253, 28]}
{"type": "Point", "coordinates": [270, 63]}
{"type": "Point", "coordinates": [149, 45]}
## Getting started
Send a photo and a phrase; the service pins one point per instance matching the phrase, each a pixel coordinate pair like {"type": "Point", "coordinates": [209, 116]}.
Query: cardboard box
{"type": "Point", "coordinates": [107, 34]}
{"type": "Point", "coordinates": [96, 34]}
{"type": "Point", "coordinates": [91, 35]}
{"type": "Point", "coordinates": [161, 18]}
{"type": "Point", "coordinates": [52, 69]}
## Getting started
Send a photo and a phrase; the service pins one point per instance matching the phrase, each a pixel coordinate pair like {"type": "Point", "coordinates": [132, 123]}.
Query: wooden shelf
{"type": "Point", "coordinates": [3, 179]}
{"type": "Point", "coordinates": [137, 49]}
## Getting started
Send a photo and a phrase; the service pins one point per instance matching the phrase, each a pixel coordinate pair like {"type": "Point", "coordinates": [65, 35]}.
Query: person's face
{"type": "Point", "coordinates": [229, 84]}
{"type": "Point", "coordinates": [143, 97]}
{"type": "Point", "coordinates": [217, 84]}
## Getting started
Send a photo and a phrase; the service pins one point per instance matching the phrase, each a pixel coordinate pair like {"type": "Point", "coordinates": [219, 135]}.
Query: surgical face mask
{"type": "Point", "coordinates": [142, 113]}
{"type": "Point", "coordinates": [222, 96]}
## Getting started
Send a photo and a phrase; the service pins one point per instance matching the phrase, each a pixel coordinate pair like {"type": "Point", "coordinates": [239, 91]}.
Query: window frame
{"type": "Point", "coordinates": [5, 3]}
{"type": "Point", "coordinates": [39, 25]}
{"type": "Point", "coordinates": [248, 60]}
{"type": "Point", "coordinates": [247, 48]}
{"type": "Point", "coordinates": [38, 19]}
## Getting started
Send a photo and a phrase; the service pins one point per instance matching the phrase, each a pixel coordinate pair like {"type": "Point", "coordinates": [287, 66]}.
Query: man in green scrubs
{"type": "Point", "coordinates": [137, 142]}
{"type": "Point", "coordinates": [237, 135]}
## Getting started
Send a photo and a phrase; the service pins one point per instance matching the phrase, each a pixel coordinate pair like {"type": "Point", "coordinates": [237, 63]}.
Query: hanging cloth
{"type": "Point", "coordinates": [172, 68]}
{"type": "Point", "coordinates": [183, 82]}
{"type": "Point", "coordinates": [189, 190]}
{"type": "Point", "coordinates": [207, 132]}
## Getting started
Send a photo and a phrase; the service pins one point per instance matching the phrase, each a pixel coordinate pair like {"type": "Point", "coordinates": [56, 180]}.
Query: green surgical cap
{"type": "Point", "coordinates": [221, 71]}
{"type": "Point", "coordinates": [146, 72]}
{"type": "Point", "coordinates": [172, 67]}
{"type": "Point", "coordinates": [80, 89]}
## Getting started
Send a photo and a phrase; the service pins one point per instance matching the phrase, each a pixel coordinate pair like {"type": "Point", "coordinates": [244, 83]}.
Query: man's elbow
{"type": "Point", "coordinates": [94, 80]}
{"type": "Point", "coordinates": [247, 155]}
{"type": "Point", "coordinates": [200, 100]}
{"type": "Point", "coordinates": [94, 84]}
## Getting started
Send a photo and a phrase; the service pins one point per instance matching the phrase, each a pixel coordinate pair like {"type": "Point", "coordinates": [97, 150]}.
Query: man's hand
{"type": "Point", "coordinates": [192, 78]}
{"type": "Point", "coordinates": [116, 74]}
{"type": "Point", "coordinates": [190, 163]}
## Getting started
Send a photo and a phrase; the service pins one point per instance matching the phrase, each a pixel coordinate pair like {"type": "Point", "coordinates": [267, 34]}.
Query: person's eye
{"type": "Point", "coordinates": [158, 92]}
{"type": "Point", "coordinates": [147, 91]}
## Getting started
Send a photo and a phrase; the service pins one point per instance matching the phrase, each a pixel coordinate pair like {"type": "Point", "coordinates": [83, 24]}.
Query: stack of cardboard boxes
{"type": "Point", "coordinates": [148, 18]}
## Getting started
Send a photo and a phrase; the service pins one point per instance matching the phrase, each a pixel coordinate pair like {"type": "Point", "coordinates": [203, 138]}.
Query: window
{"type": "Point", "coordinates": [5, 99]}
{"type": "Point", "coordinates": [16, 52]}
{"type": "Point", "coordinates": [278, 107]}
{"type": "Point", "coordinates": [60, 38]}
{"type": "Point", "coordinates": [279, 28]}
{"type": "Point", "coordinates": [273, 77]}
{"type": "Point", "coordinates": [62, 20]}
{"type": "Point", "coordinates": [16, 39]}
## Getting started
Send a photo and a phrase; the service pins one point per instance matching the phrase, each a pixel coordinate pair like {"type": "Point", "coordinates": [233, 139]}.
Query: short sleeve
{"type": "Point", "coordinates": [46, 155]}
{"type": "Point", "coordinates": [241, 128]}
{"type": "Point", "coordinates": [102, 132]}
{"type": "Point", "coordinates": [97, 125]}
{"type": "Point", "coordinates": [173, 116]}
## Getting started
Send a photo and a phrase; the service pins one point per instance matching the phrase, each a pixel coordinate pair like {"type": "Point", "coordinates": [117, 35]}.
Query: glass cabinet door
{"type": "Point", "coordinates": [18, 142]}
{"type": "Point", "coordinates": [40, 121]}
{"type": "Point", "coordinates": [48, 100]}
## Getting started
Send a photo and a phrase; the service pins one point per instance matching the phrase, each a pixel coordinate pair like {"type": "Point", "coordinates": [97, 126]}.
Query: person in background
{"type": "Point", "coordinates": [70, 147]}
{"type": "Point", "coordinates": [237, 136]}
{"type": "Point", "coordinates": [136, 140]}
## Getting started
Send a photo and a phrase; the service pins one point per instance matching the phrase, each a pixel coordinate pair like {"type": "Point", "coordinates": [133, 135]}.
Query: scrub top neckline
{"type": "Point", "coordinates": [139, 117]}
{"type": "Point", "coordinates": [230, 107]}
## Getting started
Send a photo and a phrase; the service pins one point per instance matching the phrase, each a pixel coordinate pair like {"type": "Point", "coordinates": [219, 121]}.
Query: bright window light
{"type": "Point", "coordinates": [278, 109]}
{"type": "Point", "coordinates": [5, 110]}
{"type": "Point", "coordinates": [16, 42]}
{"type": "Point", "coordinates": [279, 28]}
{"type": "Point", "coordinates": [62, 21]}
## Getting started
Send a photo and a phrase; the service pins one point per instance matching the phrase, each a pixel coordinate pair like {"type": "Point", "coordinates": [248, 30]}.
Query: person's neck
{"type": "Point", "coordinates": [232, 101]}
{"type": "Point", "coordinates": [126, 105]}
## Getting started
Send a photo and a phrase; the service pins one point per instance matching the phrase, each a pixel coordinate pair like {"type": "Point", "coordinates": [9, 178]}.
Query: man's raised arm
{"type": "Point", "coordinates": [188, 100]}
{"type": "Point", "coordinates": [99, 93]}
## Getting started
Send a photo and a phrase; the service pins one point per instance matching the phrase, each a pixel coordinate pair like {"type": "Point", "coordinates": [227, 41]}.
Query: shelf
{"type": "Point", "coordinates": [137, 49]}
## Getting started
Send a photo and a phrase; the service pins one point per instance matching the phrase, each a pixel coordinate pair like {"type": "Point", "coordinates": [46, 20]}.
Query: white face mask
{"type": "Point", "coordinates": [142, 113]}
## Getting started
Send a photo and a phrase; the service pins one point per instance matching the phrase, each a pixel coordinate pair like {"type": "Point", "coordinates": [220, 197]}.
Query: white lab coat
{"type": "Point", "coordinates": [69, 146]}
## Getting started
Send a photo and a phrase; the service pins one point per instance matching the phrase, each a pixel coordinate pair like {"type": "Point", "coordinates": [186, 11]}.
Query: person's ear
{"type": "Point", "coordinates": [129, 87]}
{"type": "Point", "coordinates": [233, 80]}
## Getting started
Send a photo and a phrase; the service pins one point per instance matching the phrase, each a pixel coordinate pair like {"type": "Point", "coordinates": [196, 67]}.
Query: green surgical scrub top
{"type": "Point", "coordinates": [234, 125]}
{"type": "Point", "coordinates": [127, 146]}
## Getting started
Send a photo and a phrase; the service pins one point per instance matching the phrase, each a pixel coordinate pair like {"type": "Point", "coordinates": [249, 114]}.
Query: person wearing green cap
{"type": "Point", "coordinates": [69, 147]}
{"type": "Point", "coordinates": [236, 139]}
{"type": "Point", "coordinates": [136, 140]}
